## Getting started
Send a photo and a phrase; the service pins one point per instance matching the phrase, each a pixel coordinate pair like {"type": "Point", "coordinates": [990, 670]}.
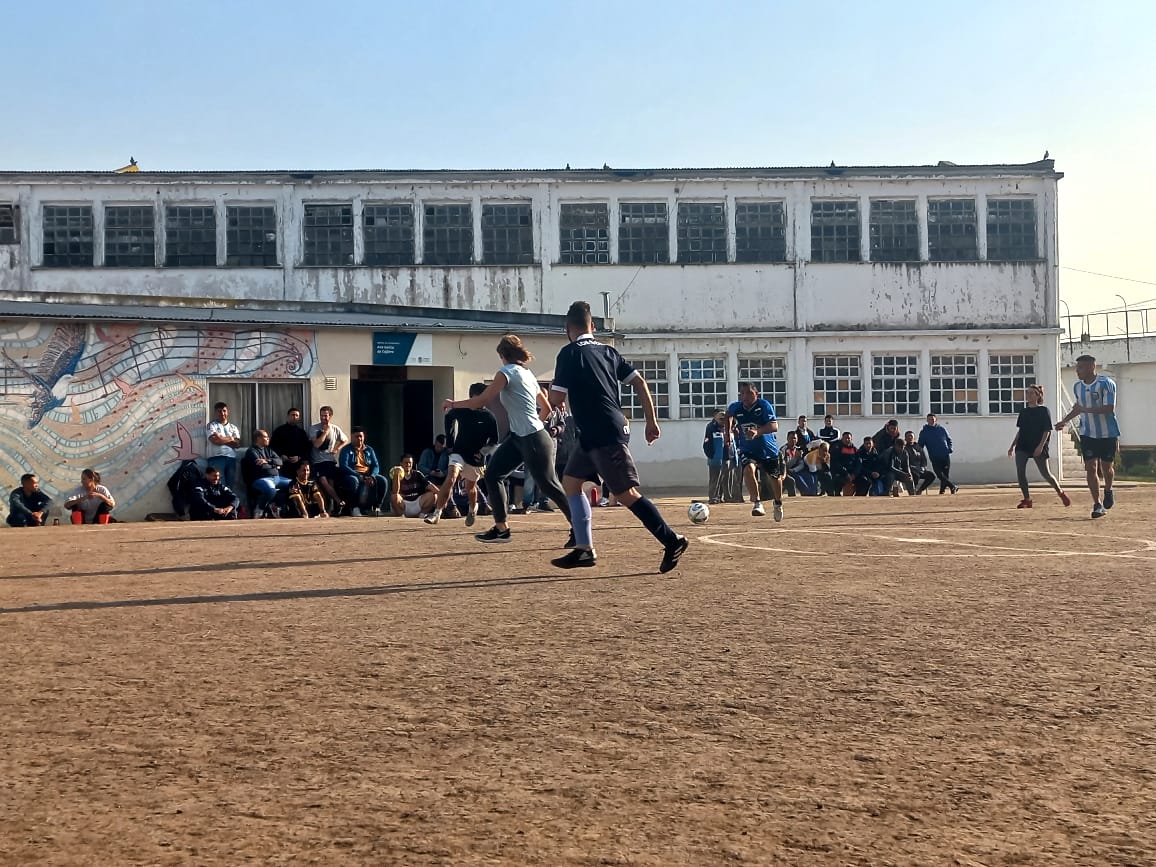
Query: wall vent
{"type": "Point", "coordinates": [331, 383]}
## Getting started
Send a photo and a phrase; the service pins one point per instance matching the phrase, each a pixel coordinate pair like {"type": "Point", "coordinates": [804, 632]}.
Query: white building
{"type": "Point", "coordinates": [129, 303]}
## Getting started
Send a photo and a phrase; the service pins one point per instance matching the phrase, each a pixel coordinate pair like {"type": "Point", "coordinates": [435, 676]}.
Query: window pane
{"type": "Point", "coordinates": [507, 234]}
{"type": "Point", "coordinates": [448, 235]}
{"type": "Point", "coordinates": [894, 231]}
{"type": "Point", "coordinates": [1008, 378]}
{"type": "Point", "coordinates": [328, 235]}
{"type": "Point", "coordinates": [190, 236]}
{"type": "Point", "coordinates": [1011, 230]}
{"type": "Point", "coordinates": [835, 231]}
{"type": "Point", "coordinates": [653, 370]}
{"type": "Point", "coordinates": [702, 233]}
{"type": "Point", "coordinates": [760, 232]}
{"type": "Point", "coordinates": [9, 224]}
{"type": "Point", "coordinates": [702, 386]}
{"type": "Point", "coordinates": [643, 236]}
{"type": "Point", "coordinates": [389, 234]}
{"type": "Point", "coordinates": [838, 386]}
{"type": "Point", "coordinates": [954, 385]}
{"type": "Point", "coordinates": [584, 234]}
{"type": "Point", "coordinates": [769, 374]}
{"type": "Point", "coordinates": [68, 236]}
{"type": "Point", "coordinates": [251, 236]}
{"type": "Point", "coordinates": [951, 230]}
{"type": "Point", "coordinates": [895, 385]}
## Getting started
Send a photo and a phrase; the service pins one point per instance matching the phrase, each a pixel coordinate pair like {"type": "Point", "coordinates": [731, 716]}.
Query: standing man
{"type": "Point", "coordinates": [586, 378]}
{"type": "Point", "coordinates": [937, 441]}
{"type": "Point", "coordinates": [291, 442]}
{"type": "Point", "coordinates": [719, 457]}
{"type": "Point", "coordinates": [325, 441]}
{"type": "Point", "coordinates": [470, 435]}
{"type": "Point", "coordinates": [759, 450]}
{"type": "Point", "coordinates": [224, 439]}
{"type": "Point", "coordinates": [1099, 430]}
{"type": "Point", "coordinates": [28, 505]}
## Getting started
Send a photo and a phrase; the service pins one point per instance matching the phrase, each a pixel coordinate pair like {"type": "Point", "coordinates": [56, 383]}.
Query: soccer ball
{"type": "Point", "coordinates": [698, 513]}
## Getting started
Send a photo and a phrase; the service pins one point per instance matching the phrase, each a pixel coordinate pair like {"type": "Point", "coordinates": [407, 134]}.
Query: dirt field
{"type": "Point", "coordinates": [934, 680]}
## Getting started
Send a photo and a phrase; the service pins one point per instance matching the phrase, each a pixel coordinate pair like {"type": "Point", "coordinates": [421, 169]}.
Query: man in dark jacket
{"type": "Point", "coordinates": [213, 501]}
{"type": "Point", "coordinates": [921, 476]}
{"type": "Point", "coordinates": [844, 464]}
{"type": "Point", "coordinates": [887, 436]}
{"type": "Point", "coordinates": [261, 474]}
{"type": "Point", "coordinates": [291, 442]}
{"type": "Point", "coordinates": [898, 468]}
{"type": "Point", "coordinates": [872, 470]}
{"type": "Point", "coordinates": [28, 505]}
{"type": "Point", "coordinates": [720, 457]}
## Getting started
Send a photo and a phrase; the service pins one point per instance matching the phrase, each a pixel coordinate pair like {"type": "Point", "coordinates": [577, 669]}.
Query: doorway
{"type": "Point", "coordinates": [397, 413]}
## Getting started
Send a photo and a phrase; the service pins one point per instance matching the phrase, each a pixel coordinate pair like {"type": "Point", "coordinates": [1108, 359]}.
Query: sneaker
{"type": "Point", "coordinates": [1109, 498]}
{"type": "Point", "coordinates": [778, 512]}
{"type": "Point", "coordinates": [470, 518]}
{"type": "Point", "coordinates": [672, 554]}
{"type": "Point", "coordinates": [570, 540]}
{"type": "Point", "coordinates": [713, 501]}
{"type": "Point", "coordinates": [494, 535]}
{"type": "Point", "coordinates": [544, 506]}
{"type": "Point", "coordinates": [1065, 499]}
{"type": "Point", "coordinates": [1024, 504]}
{"type": "Point", "coordinates": [517, 510]}
{"type": "Point", "coordinates": [604, 502]}
{"type": "Point", "coordinates": [578, 557]}
{"type": "Point", "coordinates": [375, 512]}
{"type": "Point", "coordinates": [355, 512]}
{"type": "Point", "coordinates": [433, 519]}
{"type": "Point", "coordinates": [1098, 511]}
{"type": "Point", "coordinates": [955, 489]}
{"type": "Point", "coordinates": [758, 511]}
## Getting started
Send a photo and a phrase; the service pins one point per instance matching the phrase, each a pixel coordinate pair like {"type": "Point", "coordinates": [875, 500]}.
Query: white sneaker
{"type": "Point", "coordinates": [470, 518]}
{"type": "Point", "coordinates": [604, 502]}
{"type": "Point", "coordinates": [758, 511]}
{"type": "Point", "coordinates": [432, 519]}
{"type": "Point", "coordinates": [778, 511]}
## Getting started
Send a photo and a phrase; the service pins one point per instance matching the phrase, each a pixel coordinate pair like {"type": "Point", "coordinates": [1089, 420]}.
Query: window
{"type": "Point", "coordinates": [129, 237]}
{"type": "Point", "coordinates": [835, 231]}
{"type": "Point", "coordinates": [895, 385]}
{"type": "Point", "coordinates": [894, 231]}
{"type": "Point", "coordinates": [1011, 230]}
{"type": "Point", "coordinates": [769, 374]}
{"type": "Point", "coordinates": [760, 232]}
{"type": "Point", "coordinates": [258, 405]}
{"type": "Point", "coordinates": [251, 236]}
{"type": "Point", "coordinates": [328, 235]}
{"type": "Point", "coordinates": [838, 386]}
{"type": "Point", "coordinates": [507, 234]}
{"type": "Point", "coordinates": [702, 386]}
{"type": "Point", "coordinates": [1007, 381]}
{"type": "Point", "coordinates": [389, 235]}
{"type": "Point", "coordinates": [68, 239]}
{"type": "Point", "coordinates": [9, 224]}
{"type": "Point", "coordinates": [954, 385]}
{"type": "Point", "coordinates": [449, 235]}
{"type": "Point", "coordinates": [643, 236]}
{"type": "Point", "coordinates": [702, 233]}
{"type": "Point", "coordinates": [584, 234]}
{"type": "Point", "coordinates": [951, 230]}
{"type": "Point", "coordinates": [653, 370]}
{"type": "Point", "coordinates": [190, 236]}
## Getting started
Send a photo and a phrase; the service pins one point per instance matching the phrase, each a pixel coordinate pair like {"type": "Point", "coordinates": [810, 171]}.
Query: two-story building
{"type": "Point", "coordinates": [130, 303]}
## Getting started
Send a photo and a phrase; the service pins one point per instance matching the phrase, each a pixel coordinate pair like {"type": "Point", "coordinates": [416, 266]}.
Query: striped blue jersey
{"type": "Point", "coordinates": [1100, 392]}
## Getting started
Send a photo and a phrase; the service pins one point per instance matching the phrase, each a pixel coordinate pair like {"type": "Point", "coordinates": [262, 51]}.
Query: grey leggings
{"type": "Point", "coordinates": [536, 451]}
{"type": "Point", "coordinates": [1022, 459]}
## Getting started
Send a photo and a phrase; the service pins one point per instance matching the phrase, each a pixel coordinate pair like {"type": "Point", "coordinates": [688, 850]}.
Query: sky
{"type": "Point", "coordinates": [251, 84]}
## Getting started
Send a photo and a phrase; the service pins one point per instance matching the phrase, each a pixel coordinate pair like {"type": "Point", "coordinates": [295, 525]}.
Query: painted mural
{"type": "Point", "coordinates": [127, 399]}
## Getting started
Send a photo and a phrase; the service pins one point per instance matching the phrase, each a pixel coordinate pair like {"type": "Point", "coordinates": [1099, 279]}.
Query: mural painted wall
{"type": "Point", "coordinates": [128, 400]}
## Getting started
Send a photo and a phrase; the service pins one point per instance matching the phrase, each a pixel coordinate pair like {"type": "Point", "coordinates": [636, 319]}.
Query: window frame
{"type": "Point", "coordinates": [649, 367]}
{"type": "Point", "coordinates": [584, 233]}
{"type": "Point", "coordinates": [759, 241]}
{"type": "Point", "coordinates": [966, 381]}
{"type": "Point", "coordinates": [68, 259]}
{"type": "Point", "coordinates": [460, 233]}
{"type": "Point", "coordinates": [845, 237]}
{"type": "Point", "coordinates": [518, 238]}
{"type": "Point", "coordinates": [892, 239]}
{"type": "Point", "coordinates": [10, 228]}
{"type": "Point", "coordinates": [701, 405]}
{"type": "Point", "coordinates": [886, 384]}
{"type": "Point", "coordinates": [328, 243]}
{"type": "Point", "coordinates": [643, 242]}
{"type": "Point", "coordinates": [821, 382]}
{"type": "Point", "coordinates": [386, 243]}
{"type": "Point", "coordinates": [701, 234]}
{"type": "Point", "coordinates": [1013, 383]}
{"type": "Point", "coordinates": [172, 244]}
{"type": "Point", "coordinates": [943, 236]}
{"type": "Point", "coordinates": [779, 389]}
{"type": "Point", "coordinates": [254, 255]}
{"type": "Point", "coordinates": [1007, 232]}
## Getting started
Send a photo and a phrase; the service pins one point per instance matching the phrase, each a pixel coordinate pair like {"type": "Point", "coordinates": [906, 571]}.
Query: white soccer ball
{"type": "Point", "coordinates": [698, 513]}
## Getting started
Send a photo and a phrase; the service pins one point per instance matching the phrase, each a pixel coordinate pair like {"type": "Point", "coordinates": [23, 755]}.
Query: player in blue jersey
{"type": "Point", "coordinates": [586, 378]}
{"type": "Point", "coordinates": [755, 421]}
{"type": "Point", "coordinates": [1099, 430]}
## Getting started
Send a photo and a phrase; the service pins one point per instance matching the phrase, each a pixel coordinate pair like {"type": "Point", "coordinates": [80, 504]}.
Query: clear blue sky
{"type": "Point", "coordinates": [253, 84]}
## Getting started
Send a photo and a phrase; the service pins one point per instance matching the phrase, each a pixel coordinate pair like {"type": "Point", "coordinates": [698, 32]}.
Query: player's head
{"type": "Point", "coordinates": [748, 393]}
{"type": "Point", "coordinates": [1086, 367]}
{"type": "Point", "coordinates": [1035, 394]}
{"type": "Point", "coordinates": [578, 320]}
{"type": "Point", "coordinates": [511, 350]}
{"type": "Point", "coordinates": [477, 388]}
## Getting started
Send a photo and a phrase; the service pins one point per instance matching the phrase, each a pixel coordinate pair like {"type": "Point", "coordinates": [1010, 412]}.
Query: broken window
{"type": "Point", "coordinates": [643, 233]}
{"type": "Point", "coordinates": [894, 231]}
{"type": "Point", "coordinates": [584, 234]}
{"type": "Point", "coordinates": [251, 236]}
{"type": "Point", "coordinates": [68, 236]}
{"type": "Point", "coordinates": [1011, 230]}
{"type": "Point", "coordinates": [328, 235]}
{"type": "Point", "coordinates": [9, 224]}
{"type": "Point", "coordinates": [448, 235]}
{"type": "Point", "coordinates": [835, 231]}
{"type": "Point", "coordinates": [129, 237]}
{"type": "Point", "coordinates": [389, 235]}
{"type": "Point", "coordinates": [951, 230]}
{"type": "Point", "coordinates": [507, 234]}
{"type": "Point", "coordinates": [760, 232]}
{"type": "Point", "coordinates": [190, 236]}
{"type": "Point", "coordinates": [702, 233]}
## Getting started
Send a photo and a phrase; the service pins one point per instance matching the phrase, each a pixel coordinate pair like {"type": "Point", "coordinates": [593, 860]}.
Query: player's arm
{"type": "Point", "coordinates": [645, 398]}
{"type": "Point", "coordinates": [484, 399]}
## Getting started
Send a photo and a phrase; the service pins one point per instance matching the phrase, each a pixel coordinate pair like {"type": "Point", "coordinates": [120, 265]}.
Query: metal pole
{"type": "Point", "coordinates": [1127, 330]}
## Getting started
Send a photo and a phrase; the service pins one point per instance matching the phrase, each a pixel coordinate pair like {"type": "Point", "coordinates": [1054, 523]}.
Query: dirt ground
{"type": "Point", "coordinates": [933, 680]}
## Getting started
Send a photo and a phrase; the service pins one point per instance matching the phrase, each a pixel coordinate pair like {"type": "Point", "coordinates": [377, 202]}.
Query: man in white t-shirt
{"type": "Point", "coordinates": [327, 440]}
{"type": "Point", "coordinates": [224, 438]}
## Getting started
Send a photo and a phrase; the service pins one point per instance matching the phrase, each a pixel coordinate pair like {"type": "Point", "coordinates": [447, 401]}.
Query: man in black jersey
{"type": "Point", "coordinates": [469, 433]}
{"type": "Point", "coordinates": [586, 378]}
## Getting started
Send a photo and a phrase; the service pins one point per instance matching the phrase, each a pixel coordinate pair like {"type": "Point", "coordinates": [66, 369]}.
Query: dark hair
{"type": "Point", "coordinates": [326, 408]}
{"type": "Point", "coordinates": [869, 440]}
{"type": "Point", "coordinates": [293, 409]}
{"type": "Point", "coordinates": [512, 351]}
{"type": "Point", "coordinates": [212, 469]}
{"type": "Point", "coordinates": [477, 388]}
{"type": "Point", "coordinates": [1086, 357]}
{"type": "Point", "coordinates": [828, 417]}
{"type": "Point", "coordinates": [440, 439]}
{"type": "Point", "coordinates": [746, 383]}
{"type": "Point", "coordinates": [27, 477]}
{"type": "Point", "coordinates": [220, 404]}
{"type": "Point", "coordinates": [404, 456]}
{"type": "Point", "coordinates": [578, 316]}
{"type": "Point", "coordinates": [358, 429]}
{"type": "Point", "coordinates": [90, 474]}
{"type": "Point", "coordinates": [893, 423]}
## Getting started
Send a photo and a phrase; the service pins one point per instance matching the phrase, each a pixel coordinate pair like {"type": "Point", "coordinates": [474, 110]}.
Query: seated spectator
{"type": "Point", "coordinates": [921, 476]}
{"type": "Point", "coordinates": [326, 441]}
{"type": "Point", "coordinates": [213, 500]}
{"type": "Point", "coordinates": [92, 502]}
{"type": "Point", "coordinates": [28, 505]}
{"type": "Point", "coordinates": [360, 462]}
{"type": "Point", "coordinates": [261, 475]}
{"type": "Point", "coordinates": [818, 460]}
{"type": "Point", "coordinates": [434, 462]}
{"type": "Point", "coordinates": [898, 468]}
{"type": "Point", "coordinates": [411, 494]}
{"type": "Point", "coordinates": [804, 433]}
{"type": "Point", "coordinates": [304, 497]}
{"type": "Point", "coordinates": [888, 436]}
{"type": "Point", "coordinates": [291, 441]}
{"type": "Point", "coordinates": [872, 477]}
{"type": "Point", "coordinates": [828, 433]}
{"type": "Point", "coordinates": [844, 465]}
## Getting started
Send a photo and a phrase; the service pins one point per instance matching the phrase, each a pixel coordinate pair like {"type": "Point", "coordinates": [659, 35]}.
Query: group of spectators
{"type": "Point", "coordinates": [830, 463]}
{"type": "Point", "coordinates": [90, 503]}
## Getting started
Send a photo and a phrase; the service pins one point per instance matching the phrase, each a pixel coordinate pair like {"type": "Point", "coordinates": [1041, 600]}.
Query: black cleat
{"type": "Point", "coordinates": [494, 535]}
{"type": "Point", "coordinates": [673, 552]}
{"type": "Point", "coordinates": [576, 558]}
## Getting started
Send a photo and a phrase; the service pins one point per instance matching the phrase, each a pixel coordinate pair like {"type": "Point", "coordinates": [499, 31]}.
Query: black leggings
{"type": "Point", "coordinates": [942, 467]}
{"type": "Point", "coordinates": [1022, 459]}
{"type": "Point", "coordinates": [536, 451]}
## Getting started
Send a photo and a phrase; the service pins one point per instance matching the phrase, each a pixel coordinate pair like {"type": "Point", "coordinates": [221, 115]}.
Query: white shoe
{"type": "Point", "coordinates": [758, 511]}
{"type": "Point", "coordinates": [432, 519]}
{"type": "Point", "coordinates": [778, 511]}
{"type": "Point", "coordinates": [604, 502]}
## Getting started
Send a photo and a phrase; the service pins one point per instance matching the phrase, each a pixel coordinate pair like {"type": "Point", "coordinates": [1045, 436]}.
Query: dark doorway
{"type": "Point", "coordinates": [397, 414]}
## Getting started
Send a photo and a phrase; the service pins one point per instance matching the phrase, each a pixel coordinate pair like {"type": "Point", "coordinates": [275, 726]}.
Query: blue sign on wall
{"type": "Point", "coordinates": [392, 348]}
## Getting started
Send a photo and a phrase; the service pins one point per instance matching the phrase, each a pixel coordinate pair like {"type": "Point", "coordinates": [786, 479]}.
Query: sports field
{"type": "Point", "coordinates": [932, 680]}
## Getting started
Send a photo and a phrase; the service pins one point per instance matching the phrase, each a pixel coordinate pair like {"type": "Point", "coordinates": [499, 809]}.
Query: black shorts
{"type": "Point", "coordinates": [613, 463]}
{"type": "Point", "coordinates": [1098, 448]}
{"type": "Point", "coordinates": [770, 465]}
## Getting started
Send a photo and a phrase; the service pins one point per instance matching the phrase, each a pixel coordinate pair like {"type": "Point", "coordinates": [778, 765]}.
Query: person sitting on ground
{"type": "Point", "coordinates": [213, 500]}
{"type": "Point", "coordinates": [28, 505]}
{"type": "Point", "coordinates": [303, 497]}
{"type": "Point", "coordinates": [898, 464]}
{"type": "Point", "coordinates": [921, 476]}
{"type": "Point", "coordinates": [888, 436]}
{"type": "Point", "coordinates": [804, 433]}
{"type": "Point", "coordinates": [360, 462]}
{"type": "Point", "coordinates": [470, 435]}
{"type": "Point", "coordinates": [828, 433]}
{"type": "Point", "coordinates": [92, 502]}
{"type": "Point", "coordinates": [844, 465]}
{"type": "Point", "coordinates": [871, 479]}
{"type": "Point", "coordinates": [434, 462]}
{"type": "Point", "coordinates": [411, 494]}
{"type": "Point", "coordinates": [291, 441]}
{"type": "Point", "coordinates": [261, 474]}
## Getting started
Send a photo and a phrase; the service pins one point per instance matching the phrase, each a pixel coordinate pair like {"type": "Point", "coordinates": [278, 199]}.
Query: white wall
{"type": "Point", "coordinates": [1133, 367]}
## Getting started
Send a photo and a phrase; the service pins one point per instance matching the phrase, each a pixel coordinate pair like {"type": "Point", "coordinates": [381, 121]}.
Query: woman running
{"type": "Point", "coordinates": [528, 441]}
{"type": "Point", "coordinates": [1031, 441]}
